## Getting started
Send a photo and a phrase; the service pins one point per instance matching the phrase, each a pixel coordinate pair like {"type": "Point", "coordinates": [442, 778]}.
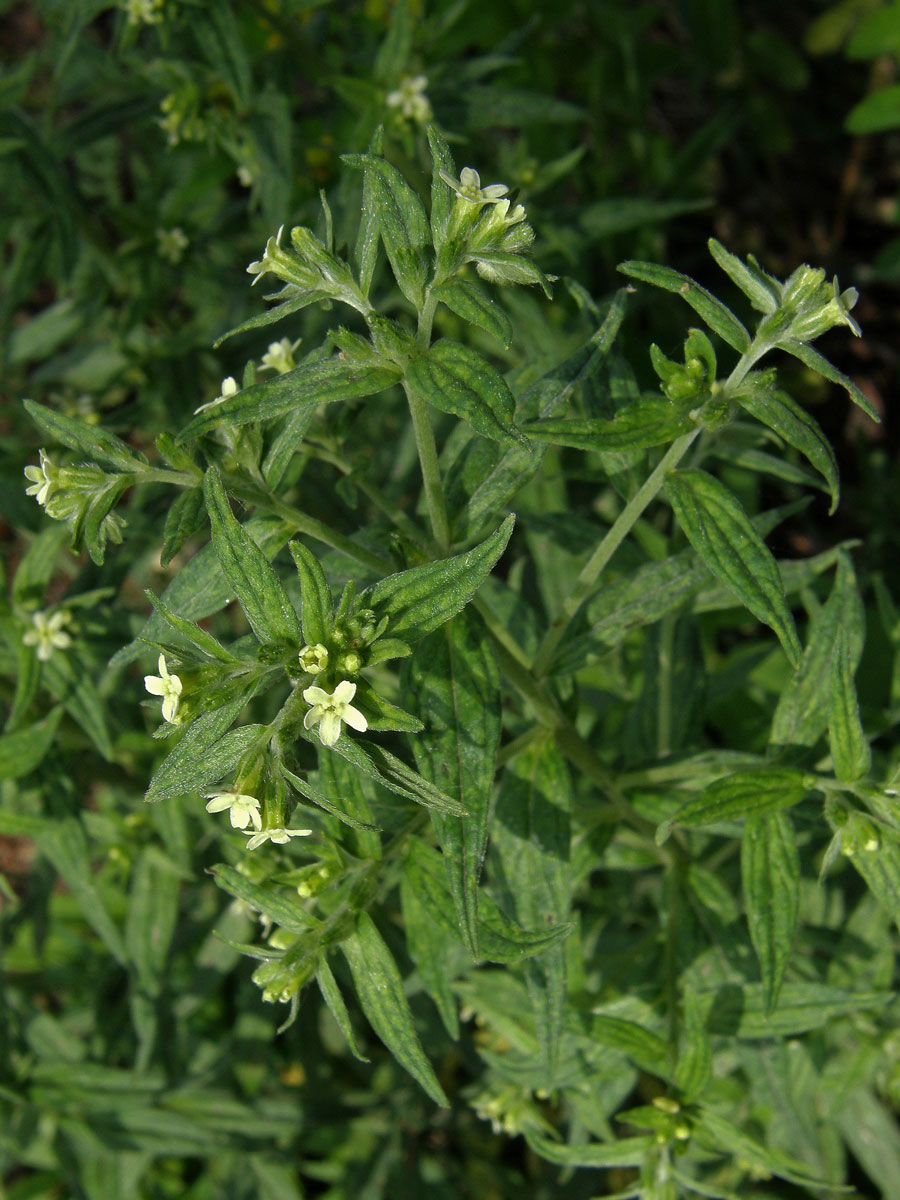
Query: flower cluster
{"type": "Point", "coordinates": [280, 356]}
{"type": "Point", "coordinates": [409, 97]}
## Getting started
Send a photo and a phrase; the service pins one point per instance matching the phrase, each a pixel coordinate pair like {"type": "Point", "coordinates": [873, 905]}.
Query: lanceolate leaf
{"type": "Point", "coordinates": [379, 764]}
{"type": "Point", "coordinates": [740, 1011]}
{"type": "Point", "coordinates": [720, 319]}
{"type": "Point", "coordinates": [745, 794]}
{"type": "Point", "coordinates": [331, 994]}
{"type": "Point", "coordinates": [650, 422]}
{"type": "Point", "coordinates": [21, 752]}
{"type": "Point", "coordinates": [454, 683]}
{"type": "Point", "coordinates": [802, 713]}
{"type": "Point", "coordinates": [317, 605]}
{"type": "Point", "coordinates": [624, 1152]}
{"type": "Point", "coordinates": [850, 751]}
{"type": "Point", "coordinates": [459, 380]}
{"type": "Point", "coordinates": [820, 364]}
{"type": "Point", "coordinates": [90, 440]}
{"type": "Point", "coordinates": [875, 854]}
{"type": "Point", "coordinates": [781, 413]}
{"type": "Point", "coordinates": [257, 587]}
{"type": "Point", "coordinates": [762, 291]}
{"type": "Point", "coordinates": [726, 542]}
{"type": "Point", "coordinates": [471, 302]}
{"type": "Point", "coordinates": [421, 599]}
{"type": "Point", "coordinates": [531, 840]}
{"type": "Point", "coordinates": [311, 384]}
{"type": "Point", "coordinates": [379, 987]}
{"type": "Point", "coordinates": [433, 950]}
{"type": "Point", "coordinates": [770, 873]}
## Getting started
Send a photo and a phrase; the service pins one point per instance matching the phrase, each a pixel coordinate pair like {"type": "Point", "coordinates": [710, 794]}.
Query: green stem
{"type": "Point", "coordinates": [664, 686]}
{"type": "Point", "coordinates": [616, 534]}
{"type": "Point", "coordinates": [431, 472]}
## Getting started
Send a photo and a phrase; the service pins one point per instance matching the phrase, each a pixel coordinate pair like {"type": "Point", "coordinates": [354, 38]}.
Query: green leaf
{"type": "Point", "coordinates": [286, 441]}
{"type": "Point", "coordinates": [780, 412]}
{"type": "Point", "coordinates": [625, 1152]}
{"type": "Point", "coordinates": [770, 873]}
{"type": "Point", "coordinates": [379, 764]}
{"type": "Point", "coordinates": [186, 517]}
{"type": "Point", "coordinates": [741, 1012]}
{"type": "Point", "coordinates": [307, 386]}
{"type": "Point", "coordinates": [716, 1133]}
{"type": "Point", "coordinates": [37, 565]}
{"type": "Point", "coordinates": [200, 588]}
{"type": "Point", "coordinates": [381, 715]}
{"type": "Point", "coordinates": [71, 684]}
{"type": "Point", "coordinates": [402, 223]}
{"type": "Point", "coordinates": [310, 793]}
{"type": "Point", "coordinates": [331, 994]}
{"type": "Point", "coordinates": [317, 605]}
{"type": "Point", "coordinates": [279, 904]}
{"type": "Point", "coordinates": [456, 379]}
{"type": "Point", "coordinates": [502, 268]}
{"type": "Point", "coordinates": [650, 422]}
{"type": "Point", "coordinates": [645, 1049]}
{"type": "Point", "coordinates": [259, 590]}
{"type": "Point", "coordinates": [193, 633]}
{"type": "Point", "coordinates": [454, 682]}
{"type": "Point", "coordinates": [149, 926]}
{"type": "Point", "coordinates": [728, 545]}
{"type": "Point", "coordinates": [878, 111]}
{"type": "Point", "coordinates": [618, 214]}
{"type": "Point", "coordinates": [421, 599]}
{"type": "Point", "coordinates": [471, 302]}
{"type": "Point", "coordinates": [531, 835]}
{"type": "Point", "coordinates": [99, 445]}
{"type": "Point", "coordinates": [65, 844]}
{"type": "Point", "coordinates": [432, 950]}
{"type": "Point", "coordinates": [289, 306]}
{"type": "Point", "coordinates": [850, 751]}
{"type": "Point", "coordinates": [802, 713]}
{"type": "Point", "coordinates": [820, 364]}
{"type": "Point", "coordinates": [720, 319]}
{"type": "Point", "coordinates": [22, 752]}
{"type": "Point", "coordinates": [442, 195]}
{"type": "Point", "coordinates": [763, 292]}
{"type": "Point", "coordinates": [744, 794]}
{"type": "Point", "coordinates": [366, 249]}
{"type": "Point", "coordinates": [545, 398]}
{"type": "Point", "coordinates": [379, 987]}
{"type": "Point", "coordinates": [694, 1067]}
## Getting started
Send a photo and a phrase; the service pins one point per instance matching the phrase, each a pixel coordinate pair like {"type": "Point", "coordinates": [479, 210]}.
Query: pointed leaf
{"type": "Point", "coordinates": [317, 611]}
{"type": "Point", "coordinates": [471, 302]}
{"type": "Point", "coordinates": [459, 380]}
{"type": "Point", "coordinates": [850, 751]}
{"type": "Point", "coordinates": [728, 545]}
{"type": "Point", "coordinates": [625, 1152]}
{"type": "Point", "coordinates": [760, 289]}
{"type": "Point", "coordinates": [453, 680]}
{"type": "Point", "coordinates": [331, 994]}
{"type": "Point", "coordinates": [90, 440]}
{"type": "Point", "coordinates": [421, 599]}
{"type": "Point", "coordinates": [650, 422]}
{"type": "Point", "coordinates": [259, 590]}
{"type": "Point", "coordinates": [770, 873]}
{"type": "Point", "coordinates": [820, 364]}
{"type": "Point", "coordinates": [720, 319]}
{"type": "Point", "coordinates": [744, 794]}
{"type": "Point", "coordinates": [21, 752]}
{"type": "Point", "coordinates": [379, 987]}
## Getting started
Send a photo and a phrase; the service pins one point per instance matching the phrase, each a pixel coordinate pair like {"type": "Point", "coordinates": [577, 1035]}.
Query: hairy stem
{"type": "Point", "coordinates": [431, 472]}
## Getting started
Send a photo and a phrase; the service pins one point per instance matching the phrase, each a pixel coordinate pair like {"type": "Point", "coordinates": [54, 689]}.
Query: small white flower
{"type": "Point", "coordinates": [280, 356]}
{"type": "Point", "coordinates": [329, 709]}
{"type": "Point", "coordinates": [229, 388]}
{"type": "Point", "coordinates": [243, 809]}
{"type": "Point", "coordinates": [410, 98]}
{"type": "Point", "coordinates": [47, 633]}
{"type": "Point", "coordinates": [314, 659]}
{"type": "Point", "coordinates": [245, 176]}
{"type": "Point", "coordinates": [172, 243]}
{"type": "Point", "coordinates": [468, 186]}
{"type": "Point", "coordinates": [43, 479]}
{"type": "Point", "coordinates": [272, 251]}
{"type": "Point", "coordinates": [165, 685]}
{"type": "Point", "coordinates": [278, 835]}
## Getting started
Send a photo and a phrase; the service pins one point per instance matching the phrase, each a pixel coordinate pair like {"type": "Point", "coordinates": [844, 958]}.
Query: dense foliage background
{"type": "Point", "coordinates": [149, 150]}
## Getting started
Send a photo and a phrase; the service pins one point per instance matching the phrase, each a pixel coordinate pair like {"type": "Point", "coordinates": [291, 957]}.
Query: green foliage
{"type": "Point", "coordinates": [497, 764]}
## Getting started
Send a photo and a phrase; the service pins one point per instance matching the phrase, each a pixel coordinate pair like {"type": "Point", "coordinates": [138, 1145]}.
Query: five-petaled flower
{"type": "Point", "coordinates": [229, 388]}
{"type": "Point", "coordinates": [314, 659]}
{"type": "Point", "coordinates": [243, 809]}
{"type": "Point", "coordinates": [279, 835]}
{"type": "Point", "coordinates": [468, 186]}
{"type": "Point", "coordinates": [43, 479]}
{"type": "Point", "coordinates": [47, 633]}
{"type": "Point", "coordinates": [410, 98]}
{"type": "Point", "coordinates": [165, 685]}
{"type": "Point", "coordinates": [280, 356]}
{"type": "Point", "coordinates": [329, 709]}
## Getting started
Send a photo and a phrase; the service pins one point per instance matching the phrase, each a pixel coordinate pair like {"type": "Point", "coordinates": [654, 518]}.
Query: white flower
{"type": "Point", "coordinates": [329, 709]}
{"type": "Point", "coordinates": [165, 685]}
{"type": "Point", "coordinates": [410, 98]}
{"type": "Point", "coordinates": [147, 12]}
{"type": "Point", "coordinates": [314, 659]}
{"type": "Point", "coordinates": [468, 186]}
{"type": "Point", "coordinates": [280, 356]}
{"type": "Point", "coordinates": [244, 810]}
{"type": "Point", "coordinates": [172, 243]}
{"type": "Point", "coordinates": [47, 633]}
{"type": "Point", "coordinates": [278, 835]}
{"type": "Point", "coordinates": [245, 176]}
{"type": "Point", "coordinates": [271, 252]}
{"type": "Point", "coordinates": [229, 388]}
{"type": "Point", "coordinates": [43, 479]}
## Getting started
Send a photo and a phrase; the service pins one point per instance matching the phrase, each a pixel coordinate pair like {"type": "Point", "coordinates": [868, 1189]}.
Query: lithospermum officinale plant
{"type": "Point", "coordinates": [450, 730]}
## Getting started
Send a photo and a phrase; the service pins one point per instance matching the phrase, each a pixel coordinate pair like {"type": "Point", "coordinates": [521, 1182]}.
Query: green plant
{"type": "Point", "coordinates": [591, 805]}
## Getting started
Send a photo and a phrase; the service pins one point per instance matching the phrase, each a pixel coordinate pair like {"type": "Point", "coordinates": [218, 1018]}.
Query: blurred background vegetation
{"type": "Point", "coordinates": [149, 148]}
